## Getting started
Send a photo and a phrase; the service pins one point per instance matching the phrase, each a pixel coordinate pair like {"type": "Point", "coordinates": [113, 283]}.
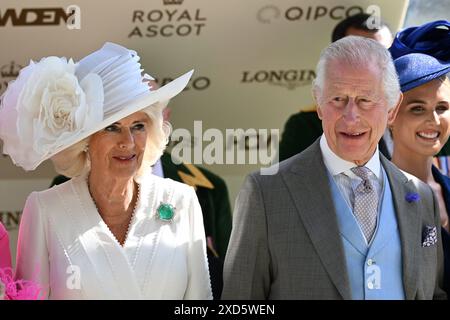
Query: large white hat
{"type": "Point", "coordinates": [56, 103]}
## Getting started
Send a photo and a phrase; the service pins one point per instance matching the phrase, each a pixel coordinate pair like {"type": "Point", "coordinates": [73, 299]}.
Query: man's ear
{"type": "Point", "coordinates": [315, 94]}
{"type": "Point", "coordinates": [319, 112]}
{"type": "Point", "coordinates": [392, 114]}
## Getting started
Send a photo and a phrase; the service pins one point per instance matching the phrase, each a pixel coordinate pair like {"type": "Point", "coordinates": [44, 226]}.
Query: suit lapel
{"type": "Point", "coordinates": [409, 223]}
{"type": "Point", "coordinates": [316, 209]}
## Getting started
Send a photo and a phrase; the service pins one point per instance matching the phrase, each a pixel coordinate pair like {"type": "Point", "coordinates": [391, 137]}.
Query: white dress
{"type": "Point", "coordinates": [66, 246]}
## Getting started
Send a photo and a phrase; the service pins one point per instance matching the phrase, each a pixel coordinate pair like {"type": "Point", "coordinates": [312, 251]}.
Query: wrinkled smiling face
{"type": "Point", "coordinates": [118, 149]}
{"type": "Point", "coordinates": [353, 109]}
{"type": "Point", "coordinates": [423, 121]}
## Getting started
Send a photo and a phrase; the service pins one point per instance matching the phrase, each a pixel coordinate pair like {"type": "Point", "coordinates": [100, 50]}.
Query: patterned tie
{"type": "Point", "coordinates": [366, 203]}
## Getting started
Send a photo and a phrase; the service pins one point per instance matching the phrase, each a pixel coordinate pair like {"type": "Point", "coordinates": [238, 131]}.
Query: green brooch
{"type": "Point", "coordinates": [165, 212]}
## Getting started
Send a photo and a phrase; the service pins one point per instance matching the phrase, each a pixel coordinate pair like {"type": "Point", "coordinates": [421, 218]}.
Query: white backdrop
{"type": "Point", "coordinates": [254, 60]}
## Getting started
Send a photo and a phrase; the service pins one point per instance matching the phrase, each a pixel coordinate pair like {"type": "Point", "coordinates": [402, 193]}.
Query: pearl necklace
{"type": "Point", "coordinates": [133, 213]}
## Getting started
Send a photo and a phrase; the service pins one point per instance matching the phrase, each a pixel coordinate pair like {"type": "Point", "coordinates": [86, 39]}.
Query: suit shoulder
{"type": "Point", "coordinates": [275, 171]}
{"type": "Point", "coordinates": [419, 184]}
{"type": "Point", "coordinates": [416, 181]}
{"type": "Point", "coordinates": [403, 175]}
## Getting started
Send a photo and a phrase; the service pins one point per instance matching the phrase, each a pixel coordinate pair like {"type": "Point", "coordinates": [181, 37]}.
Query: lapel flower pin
{"type": "Point", "coordinates": [412, 197]}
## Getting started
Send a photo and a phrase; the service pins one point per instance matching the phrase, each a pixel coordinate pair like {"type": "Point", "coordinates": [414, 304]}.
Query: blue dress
{"type": "Point", "coordinates": [444, 182]}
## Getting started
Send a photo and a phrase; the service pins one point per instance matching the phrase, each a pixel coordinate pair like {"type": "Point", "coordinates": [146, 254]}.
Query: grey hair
{"type": "Point", "coordinates": [360, 51]}
{"type": "Point", "coordinates": [74, 161]}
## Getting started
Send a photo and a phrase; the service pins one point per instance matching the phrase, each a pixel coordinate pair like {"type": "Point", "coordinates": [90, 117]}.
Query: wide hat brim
{"type": "Point", "coordinates": [141, 102]}
{"type": "Point", "coordinates": [416, 69]}
{"type": "Point", "coordinates": [22, 151]}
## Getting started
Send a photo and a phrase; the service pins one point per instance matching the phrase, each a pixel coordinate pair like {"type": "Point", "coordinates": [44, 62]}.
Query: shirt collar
{"type": "Point", "coordinates": [337, 165]}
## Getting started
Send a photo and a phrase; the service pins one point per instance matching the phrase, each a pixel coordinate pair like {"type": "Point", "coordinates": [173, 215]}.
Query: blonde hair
{"type": "Point", "coordinates": [74, 161]}
{"type": "Point", "coordinates": [445, 79]}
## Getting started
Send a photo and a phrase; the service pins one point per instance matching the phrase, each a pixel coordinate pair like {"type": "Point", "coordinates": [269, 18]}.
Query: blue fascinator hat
{"type": "Point", "coordinates": [421, 54]}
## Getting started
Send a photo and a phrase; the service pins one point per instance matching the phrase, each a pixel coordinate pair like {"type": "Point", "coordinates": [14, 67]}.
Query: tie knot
{"type": "Point", "coordinates": [362, 172]}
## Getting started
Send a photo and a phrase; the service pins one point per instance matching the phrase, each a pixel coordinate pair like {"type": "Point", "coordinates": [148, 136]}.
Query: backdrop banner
{"type": "Point", "coordinates": [254, 62]}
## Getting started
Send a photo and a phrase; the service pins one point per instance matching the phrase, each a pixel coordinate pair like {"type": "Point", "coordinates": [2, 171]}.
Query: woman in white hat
{"type": "Point", "coordinates": [114, 231]}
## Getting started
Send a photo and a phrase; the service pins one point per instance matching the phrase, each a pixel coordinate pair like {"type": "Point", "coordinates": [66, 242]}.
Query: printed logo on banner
{"type": "Point", "coordinates": [196, 83]}
{"type": "Point", "coordinates": [8, 72]}
{"type": "Point", "coordinates": [270, 13]}
{"type": "Point", "coordinates": [169, 2]}
{"type": "Point", "coordinates": [70, 16]}
{"type": "Point", "coordinates": [289, 79]}
{"type": "Point", "coordinates": [168, 22]}
{"type": "Point", "coordinates": [267, 13]}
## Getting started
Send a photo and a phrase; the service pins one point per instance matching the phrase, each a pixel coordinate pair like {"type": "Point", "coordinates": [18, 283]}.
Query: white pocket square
{"type": "Point", "coordinates": [429, 236]}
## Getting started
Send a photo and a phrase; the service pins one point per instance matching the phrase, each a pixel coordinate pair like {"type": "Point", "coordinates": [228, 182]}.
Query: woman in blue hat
{"type": "Point", "coordinates": [422, 126]}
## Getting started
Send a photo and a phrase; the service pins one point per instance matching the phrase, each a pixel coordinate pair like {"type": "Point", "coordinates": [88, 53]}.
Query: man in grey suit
{"type": "Point", "coordinates": [339, 221]}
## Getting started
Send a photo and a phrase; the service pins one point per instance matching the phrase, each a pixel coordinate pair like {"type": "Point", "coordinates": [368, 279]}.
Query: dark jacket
{"type": "Point", "coordinates": [444, 182]}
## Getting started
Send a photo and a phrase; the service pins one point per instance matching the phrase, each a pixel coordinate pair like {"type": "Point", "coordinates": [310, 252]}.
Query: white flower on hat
{"type": "Point", "coordinates": [56, 103]}
{"type": "Point", "coordinates": [50, 106]}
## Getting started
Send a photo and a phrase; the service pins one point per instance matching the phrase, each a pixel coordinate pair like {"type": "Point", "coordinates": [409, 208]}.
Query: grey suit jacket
{"type": "Point", "coordinates": [285, 241]}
